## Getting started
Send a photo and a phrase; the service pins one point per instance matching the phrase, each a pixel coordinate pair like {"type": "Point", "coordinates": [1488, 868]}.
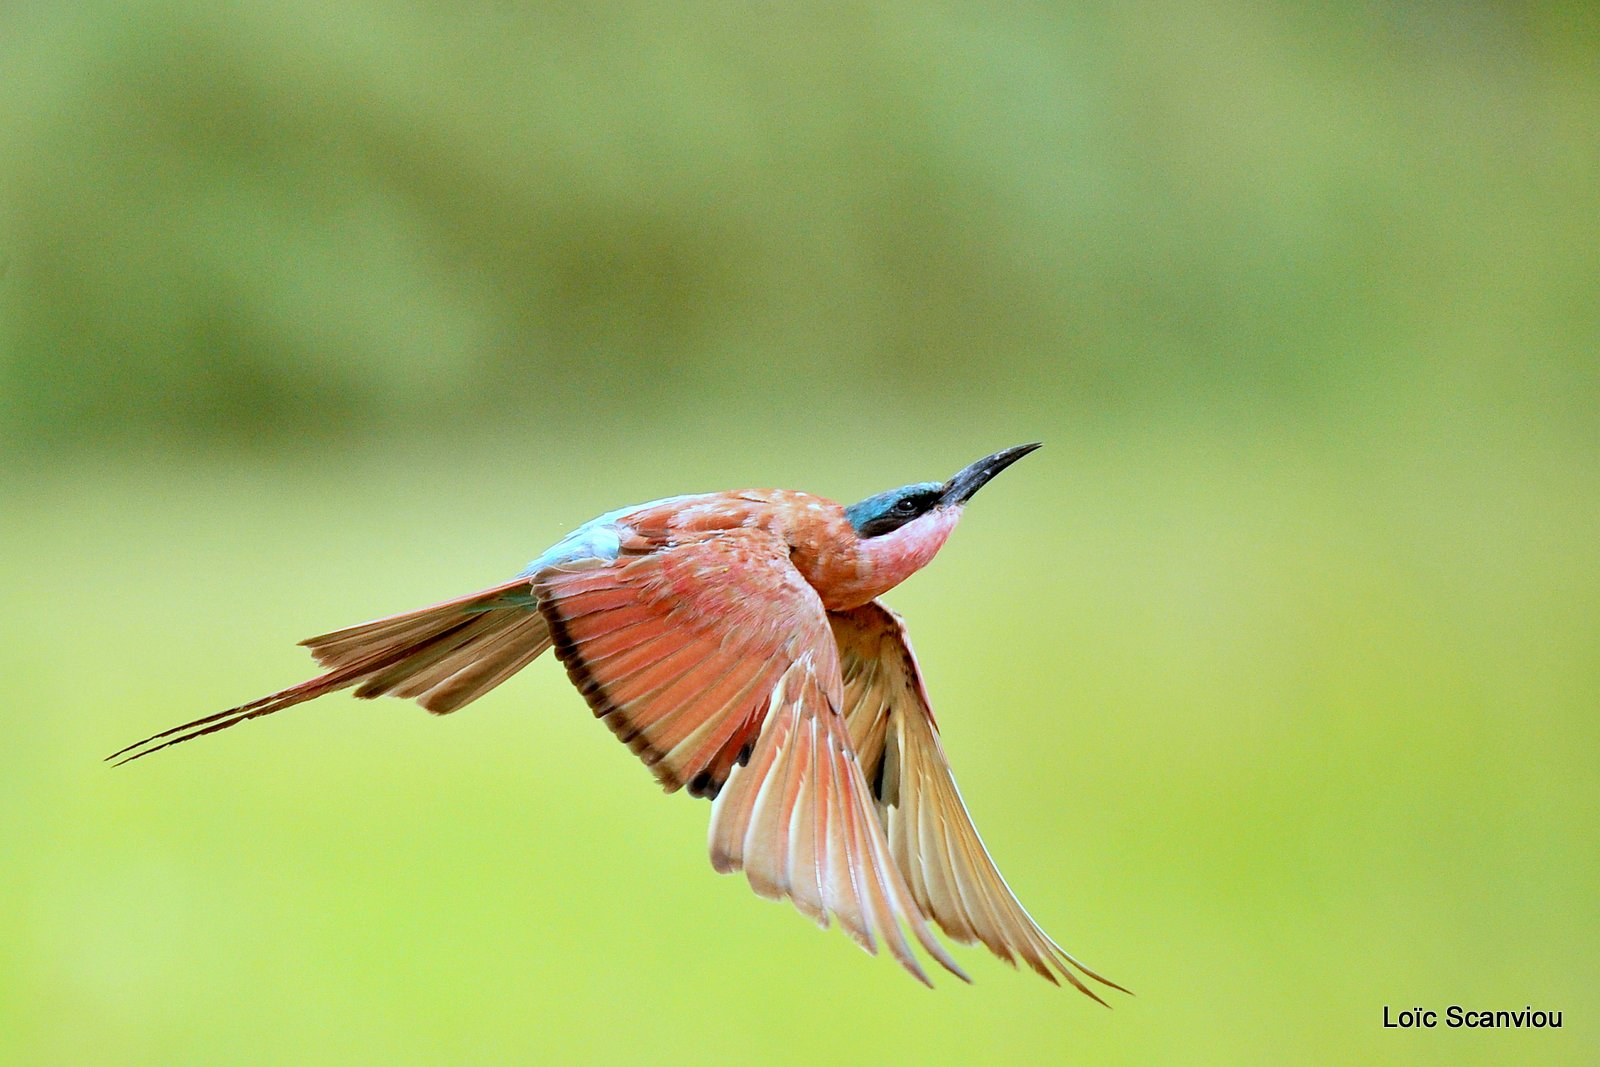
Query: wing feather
{"type": "Point", "coordinates": [932, 840]}
{"type": "Point", "coordinates": [678, 648]}
{"type": "Point", "coordinates": [798, 819]}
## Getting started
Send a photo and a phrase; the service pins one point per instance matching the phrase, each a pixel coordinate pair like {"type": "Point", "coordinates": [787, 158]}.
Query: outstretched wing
{"type": "Point", "coordinates": [678, 649]}
{"type": "Point", "coordinates": [798, 820]}
{"type": "Point", "coordinates": [931, 836]}
{"type": "Point", "coordinates": [713, 659]}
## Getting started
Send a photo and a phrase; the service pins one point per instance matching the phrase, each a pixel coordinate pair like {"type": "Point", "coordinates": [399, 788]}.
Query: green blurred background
{"type": "Point", "coordinates": [1272, 680]}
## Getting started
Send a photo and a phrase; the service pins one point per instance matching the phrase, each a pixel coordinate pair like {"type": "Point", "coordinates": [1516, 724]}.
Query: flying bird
{"type": "Point", "coordinates": [735, 642]}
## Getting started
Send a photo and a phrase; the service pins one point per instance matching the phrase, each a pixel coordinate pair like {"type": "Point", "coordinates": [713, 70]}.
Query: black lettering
{"type": "Point", "coordinates": [1456, 1016]}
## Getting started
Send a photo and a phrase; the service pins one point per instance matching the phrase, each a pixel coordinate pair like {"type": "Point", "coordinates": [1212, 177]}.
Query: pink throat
{"type": "Point", "coordinates": [884, 562]}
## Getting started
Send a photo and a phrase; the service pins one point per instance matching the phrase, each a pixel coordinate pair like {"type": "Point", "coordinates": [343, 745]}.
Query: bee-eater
{"type": "Point", "coordinates": [734, 641]}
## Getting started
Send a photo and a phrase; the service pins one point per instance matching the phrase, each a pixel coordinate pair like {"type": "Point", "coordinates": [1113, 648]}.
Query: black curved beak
{"type": "Point", "coordinates": [975, 476]}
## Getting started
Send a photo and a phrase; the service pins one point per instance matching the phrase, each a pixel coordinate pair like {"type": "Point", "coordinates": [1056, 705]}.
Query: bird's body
{"type": "Point", "coordinates": [735, 643]}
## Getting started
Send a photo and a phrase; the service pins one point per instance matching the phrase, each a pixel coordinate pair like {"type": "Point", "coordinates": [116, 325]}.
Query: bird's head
{"type": "Point", "coordinates": [887, 512]}
{"type": "Point", "coordinates": [902, 530]}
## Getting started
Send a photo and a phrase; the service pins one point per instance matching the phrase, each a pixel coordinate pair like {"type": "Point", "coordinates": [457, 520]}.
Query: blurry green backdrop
{"type": "Point", "coordinates": [1271, 681]}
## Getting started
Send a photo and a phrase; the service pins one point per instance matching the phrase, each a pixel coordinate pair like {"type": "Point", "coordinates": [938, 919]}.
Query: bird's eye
{"type": "Point", "coordinates": [905, 507]}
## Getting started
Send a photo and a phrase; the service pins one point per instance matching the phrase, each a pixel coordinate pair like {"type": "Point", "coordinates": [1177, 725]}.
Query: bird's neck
{"type": "Point", "coordinates": [878, 564]}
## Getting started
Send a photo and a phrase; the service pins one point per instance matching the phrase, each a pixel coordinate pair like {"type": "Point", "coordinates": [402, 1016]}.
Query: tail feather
{"type": "Point", "coordinates": [522, 646]}
{"type": "Point", "coordinates": [340, 647]}
{"type": "Point", "coordinates": [464, 638]}
{"type": "Point", "coordinates": [445, 655]}
{"type": "Point", "coordinates": [210, 724]}
{"type": "Point", "coordinates": [479, 650]}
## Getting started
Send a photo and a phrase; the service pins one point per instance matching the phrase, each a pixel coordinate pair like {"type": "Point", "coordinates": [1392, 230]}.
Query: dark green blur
{"type": "Point", "coordinates": [1271, 681]}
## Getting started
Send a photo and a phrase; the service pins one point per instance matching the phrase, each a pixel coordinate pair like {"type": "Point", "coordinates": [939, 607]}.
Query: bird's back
{"type": "Point", "coordinates": [845, 569]}
{"type": "Point", "coordinates": [822, 545]}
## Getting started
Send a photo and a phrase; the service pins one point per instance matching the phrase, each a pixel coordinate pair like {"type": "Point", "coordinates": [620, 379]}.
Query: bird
{"type": "Point", "coordinates": [736, 643]}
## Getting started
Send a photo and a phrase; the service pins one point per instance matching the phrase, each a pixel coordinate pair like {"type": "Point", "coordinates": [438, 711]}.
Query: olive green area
{"type": "Point", "coordinates": [1271, 680]}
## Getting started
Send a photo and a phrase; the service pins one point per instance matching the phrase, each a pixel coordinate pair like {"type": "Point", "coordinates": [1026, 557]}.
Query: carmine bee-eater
{"type": "Point", "coordinates": [734, 641]}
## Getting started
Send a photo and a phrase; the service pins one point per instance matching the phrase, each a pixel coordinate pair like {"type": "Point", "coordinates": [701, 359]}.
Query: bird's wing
{"type": "Point", "coordinates": [798, 819]}
{"type": "Point", "coordinates": [678, 649]}
{"type": "Point", "coordinates": [931, 836]}
{"type": "Point", "coordinates": [713, 659]}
